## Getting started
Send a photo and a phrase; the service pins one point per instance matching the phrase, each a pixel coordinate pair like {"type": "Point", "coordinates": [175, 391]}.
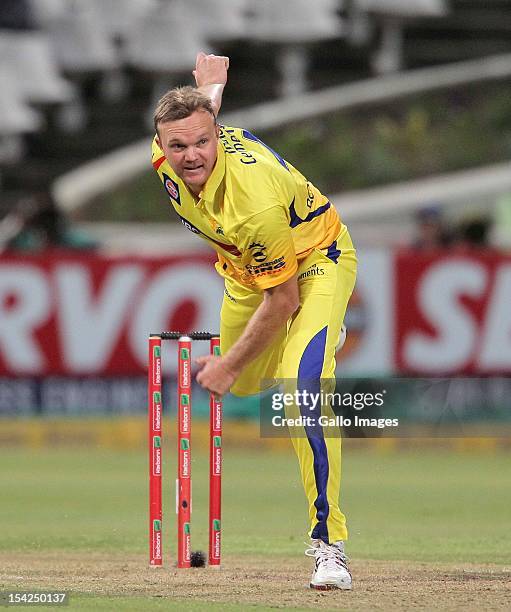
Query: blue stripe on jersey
{"type": "Point", "coordinates": [249, 136]}
{"type": "Point", "coordinates": [296, 220]}
{"type": "Point", "coordinates": [333, 252]}
{"type": "Point", "coordinates": [309, 378]}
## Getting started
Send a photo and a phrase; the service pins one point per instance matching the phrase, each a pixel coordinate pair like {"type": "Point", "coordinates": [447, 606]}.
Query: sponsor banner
{"type": "Point", "coordinates": [66, 314]}
{"type": "Point", "coordinates": [157, 411]}
{"type": "Point", "coordinates": [453, 313]}
{"type": "Point", "coordinates": [370, 318]}
{"type": "Point", "coordinates": [185, 458]}
{"type": "Point", "coordinates": [216, 539]}
{"type": "Point", "coordinates": [157, 542]}
{"type": "Point", "coordinates": [217, 457]}
{"type": "Point", "coordinates": [68, 396]}
{"type": "Point", "coordinates": [87, 318]}
{"type": "Point", "coordinates": [184, 372]}
{"type": "Point", "coordinates": [187, 552]}
{"type": "Point", "coordinates": [156, 456]}
{"type": "Point", "coordinates": [157, 550]}
{"type": "Point", "coordinates": [217, 416]}
{"type": "Point", "coordinates": [72, 396]}
{"type": "Point", "coordinates": [184, 412]}
{"type": "Point", "coordinates": [157, 366]}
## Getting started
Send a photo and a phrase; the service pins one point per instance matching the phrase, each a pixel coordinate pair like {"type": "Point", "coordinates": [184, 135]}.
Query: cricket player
{"type": "Point", "coordinates": [289, 268]}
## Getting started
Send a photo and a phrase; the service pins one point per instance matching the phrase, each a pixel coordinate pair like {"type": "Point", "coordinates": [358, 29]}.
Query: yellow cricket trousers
{"type": "Point", "coordinates": [304, 351]}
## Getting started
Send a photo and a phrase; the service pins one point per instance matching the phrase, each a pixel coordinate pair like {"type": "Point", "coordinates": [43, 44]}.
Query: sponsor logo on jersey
{"type": "Point", "coordinates": [172, 188]}
{"type": "Point", "coordinates": [189, 226]}
{"type": "Point", "coordinates": [230, 248]}
{"type": "Point", "coordinates": [313, 270]}
{"type": "Point", "coordinates": [229, 296]}
{"type": "Point", "coordinates": [258, 251]}
{"type": "Point", "coordinates": [310, 195]}
{"type": "Point", "coordinates": [268, 267]}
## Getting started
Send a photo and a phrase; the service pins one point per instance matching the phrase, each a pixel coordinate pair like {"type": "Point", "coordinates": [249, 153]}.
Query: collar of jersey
{"type": "Point", "coordinates": [216, 177]}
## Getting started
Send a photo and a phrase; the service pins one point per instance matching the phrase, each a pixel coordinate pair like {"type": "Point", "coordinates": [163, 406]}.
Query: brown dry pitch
{"type": "Point", "coordinates": [268, 582]}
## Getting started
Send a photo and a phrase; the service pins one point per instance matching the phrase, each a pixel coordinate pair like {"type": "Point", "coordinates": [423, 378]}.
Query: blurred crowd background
{"type": "Point", "coordinates": [400, 110]}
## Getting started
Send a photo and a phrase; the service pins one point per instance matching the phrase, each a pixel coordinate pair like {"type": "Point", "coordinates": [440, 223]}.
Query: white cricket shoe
{"type": "Point", "coordinates": [331, 570]}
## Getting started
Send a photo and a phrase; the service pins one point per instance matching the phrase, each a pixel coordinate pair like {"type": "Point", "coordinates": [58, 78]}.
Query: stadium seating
{"type": "Point", "coordinates": [30, 55]}
{"type": "Point", "coordinates": [294, 21]}
{"type": "Point", "coordinates": [292, 25]}
{"type": "Point", "coordinates": [163, 45]}
{"type": "Point", "coordinates": [80, 40]}
{"type": "Point", "coordinates": [391, 14]}
{"type": "Point", "coordinates": [221, 21]}
{"type": "Point", "coordinates": [118, 16]}
{"type": "Point", "coordinates": [63, 53]}
{"type": "Point", "coordinates": [16, 118]}
{"type": "Point", "coordinates": [164, 41]}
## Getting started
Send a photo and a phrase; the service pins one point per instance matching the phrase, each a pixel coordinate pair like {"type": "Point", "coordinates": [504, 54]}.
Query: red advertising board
{"type": "Point", "coordinates": [453, 313]}
{"type": "Point", "coordinates": [83, 315]}
{"type": "Point", "coordinates": [78, 316]}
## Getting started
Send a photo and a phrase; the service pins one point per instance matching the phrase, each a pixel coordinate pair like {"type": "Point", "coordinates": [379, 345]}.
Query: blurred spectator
{"type": "Point", "coordinates": [431, 232]}
{"type": "Point", "coordinates": [37, 223]}
{"type": "Point", "coordinates": [472, 233]}
{"type": "Point", "coordinates": [16, 15]}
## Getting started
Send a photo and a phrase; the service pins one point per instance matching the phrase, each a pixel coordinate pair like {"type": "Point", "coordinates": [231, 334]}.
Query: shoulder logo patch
{"type": "Point", "coordinates": [258, 251]}
{"type": "Point", "coordinates": [172, 188]}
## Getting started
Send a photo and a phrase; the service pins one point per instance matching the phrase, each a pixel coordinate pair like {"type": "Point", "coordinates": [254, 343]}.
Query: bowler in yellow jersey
{"type": "Point", "coordinates": [289, 268]}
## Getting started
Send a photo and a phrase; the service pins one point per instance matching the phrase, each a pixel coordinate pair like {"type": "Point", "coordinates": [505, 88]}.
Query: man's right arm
{"type": "Point", "coordinates": [279, 303]}
{"type": "Point", "coordinates": [211, 77]}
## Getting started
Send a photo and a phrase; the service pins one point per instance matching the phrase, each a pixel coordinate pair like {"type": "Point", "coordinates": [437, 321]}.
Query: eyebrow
{"type": "Point", "coordinates": [178, 141]}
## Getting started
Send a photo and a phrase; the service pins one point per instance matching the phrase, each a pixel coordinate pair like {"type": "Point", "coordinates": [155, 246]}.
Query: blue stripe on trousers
{"type": "Point", "coordinates": [309, 378]}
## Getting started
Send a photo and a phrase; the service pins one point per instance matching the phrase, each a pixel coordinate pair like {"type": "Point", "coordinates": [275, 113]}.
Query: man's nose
{"type": "Point", "coordinates": [190, 153]}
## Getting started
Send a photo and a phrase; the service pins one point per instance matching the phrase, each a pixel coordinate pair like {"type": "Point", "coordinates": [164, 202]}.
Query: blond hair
{"type": "Point", "coordinates": [180, 103]}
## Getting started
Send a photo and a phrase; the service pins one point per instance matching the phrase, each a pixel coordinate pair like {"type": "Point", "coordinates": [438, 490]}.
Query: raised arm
{"type": "Point", "coordinates": [211, 77]}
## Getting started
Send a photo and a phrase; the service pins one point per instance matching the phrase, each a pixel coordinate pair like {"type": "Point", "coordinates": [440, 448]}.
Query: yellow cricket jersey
{"type": "Point", "coordinates": [257, 211]}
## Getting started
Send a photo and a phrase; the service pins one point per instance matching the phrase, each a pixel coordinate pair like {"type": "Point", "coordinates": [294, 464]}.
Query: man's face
{"type": "Point", "coordinates": [190, 146]}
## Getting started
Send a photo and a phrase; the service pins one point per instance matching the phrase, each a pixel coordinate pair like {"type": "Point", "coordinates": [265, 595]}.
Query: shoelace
{"type": "Point", "coordinates": [331, 556]}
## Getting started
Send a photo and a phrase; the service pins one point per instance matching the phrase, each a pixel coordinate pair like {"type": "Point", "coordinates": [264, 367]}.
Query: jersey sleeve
{"type": "Point", "coordinates": [267, 248]}
{"type": "Point", "coordinates": [157, 156]}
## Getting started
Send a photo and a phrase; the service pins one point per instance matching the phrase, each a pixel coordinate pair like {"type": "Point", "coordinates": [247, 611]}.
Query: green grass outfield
{"type": "Point", "coordinates": [425, 505]}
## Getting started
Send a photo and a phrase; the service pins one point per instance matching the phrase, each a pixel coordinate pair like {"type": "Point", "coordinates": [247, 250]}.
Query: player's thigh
{"type": "Point", "coordinates": [314, 330]}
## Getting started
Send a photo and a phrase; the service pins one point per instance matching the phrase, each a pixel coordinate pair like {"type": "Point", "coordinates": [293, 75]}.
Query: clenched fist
{"type": "Point", "coordinates": [210, 69]}
{"type": "Point", "coordinates": [215, 376]}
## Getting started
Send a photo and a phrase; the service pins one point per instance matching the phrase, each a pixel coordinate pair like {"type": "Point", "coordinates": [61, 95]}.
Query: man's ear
{"type": "Point", "coordinates": [158, 140]}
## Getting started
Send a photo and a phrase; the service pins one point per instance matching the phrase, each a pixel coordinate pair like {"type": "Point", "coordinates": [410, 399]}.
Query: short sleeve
{"type": "Point", "coordinates": [267, 248]}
